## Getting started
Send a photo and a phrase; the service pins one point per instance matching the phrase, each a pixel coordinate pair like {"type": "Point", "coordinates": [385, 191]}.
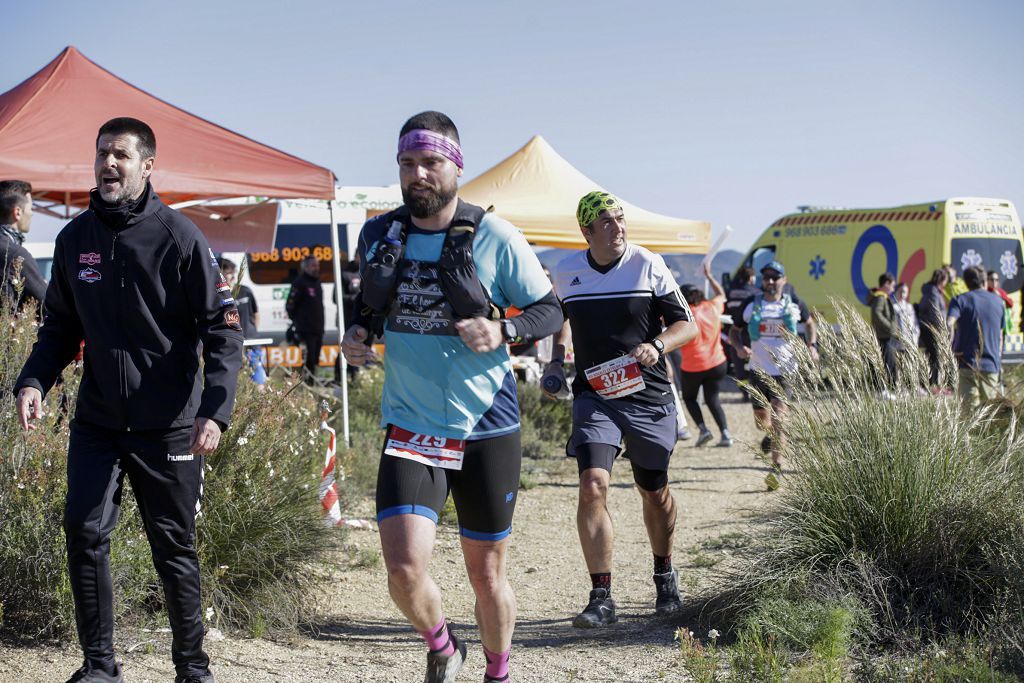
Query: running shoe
{"type": "Point", "coordinates": [89, 675]}
{"type": "Point", "coordinates": [704, 437]}
{"type": "Point", "coordinates": [766, 444]}
{"type": "Point", "coordinates": [683, 434]}
{"type": "Point", "coordinates": [667, 587]}
{"type": "Point", "coordinates": [488, 679]}
{"type": "Point", "coordinates": [443, 669]}
{"type": "Point", "coordinates": [600, 611]}
{"type": "Point", "coordinates": [774, 478]}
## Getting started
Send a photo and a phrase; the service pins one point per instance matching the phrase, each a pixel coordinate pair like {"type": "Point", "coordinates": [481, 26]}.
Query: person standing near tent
{"type": "Point", "coordinates": [249, 317]}
{"type": "Point", "coordinates": [435, 275]}
{"type": "Point", "coordinates": [138, 282]}
{"type": "Point", "coordinates": [617, 296]}
{"type": "Point", "coordinates": [305, 308]}
{"type": "Point", "coordinates": [19, 267]}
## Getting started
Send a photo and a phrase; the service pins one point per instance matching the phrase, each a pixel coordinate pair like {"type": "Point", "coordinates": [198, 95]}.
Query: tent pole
{"type": "Point", "coordinates": [339, 293]}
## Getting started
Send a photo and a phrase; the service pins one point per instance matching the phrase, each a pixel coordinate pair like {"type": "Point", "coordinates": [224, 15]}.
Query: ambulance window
{"type": "Point", "coordinates": [760, 258]}
{"type": "Point", "coordinates": [1000, 255]}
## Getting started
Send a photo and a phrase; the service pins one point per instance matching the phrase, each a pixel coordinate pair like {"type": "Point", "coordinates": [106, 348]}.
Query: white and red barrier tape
{"type": "Point", "coordinates": [329, 487]}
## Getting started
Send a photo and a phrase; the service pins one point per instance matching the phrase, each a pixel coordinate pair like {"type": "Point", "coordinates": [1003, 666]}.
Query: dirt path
{"type": "Point", "coordinates": [364, 638]}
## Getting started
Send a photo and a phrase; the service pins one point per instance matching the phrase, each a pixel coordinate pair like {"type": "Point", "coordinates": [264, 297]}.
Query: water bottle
{"type": "Point", "coordinates": [552, 384]}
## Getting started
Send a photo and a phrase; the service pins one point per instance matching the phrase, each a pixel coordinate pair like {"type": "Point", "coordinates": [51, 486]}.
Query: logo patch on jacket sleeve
{"type": "Point", "coordinates": [232, 320]}
{"type": "Point", "coordinates": [89, 275]}
{"type": "Point", "coordinates": [90, 258]}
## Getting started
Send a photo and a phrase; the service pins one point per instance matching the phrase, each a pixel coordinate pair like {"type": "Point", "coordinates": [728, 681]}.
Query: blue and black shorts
{"type": "Point", "coordinates": [600, 426]}
{"type": "Point", "coordinates": [484, 490]}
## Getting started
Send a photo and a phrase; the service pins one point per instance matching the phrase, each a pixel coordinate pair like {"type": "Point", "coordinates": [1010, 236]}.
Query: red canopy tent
{"type": "Point", "coordinates": [48, 127]}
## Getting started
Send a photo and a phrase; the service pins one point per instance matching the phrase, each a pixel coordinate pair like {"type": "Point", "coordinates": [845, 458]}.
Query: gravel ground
{"type": "Point", "coordinates": [362, 637]}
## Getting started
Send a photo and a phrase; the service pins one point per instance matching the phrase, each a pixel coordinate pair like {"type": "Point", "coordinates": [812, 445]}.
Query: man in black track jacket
{"type": "Point", "coordinates": [138, 283]}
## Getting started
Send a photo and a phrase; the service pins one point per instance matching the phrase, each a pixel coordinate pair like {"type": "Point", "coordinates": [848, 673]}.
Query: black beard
{"type": "Point", "coordinates": [426, 205]}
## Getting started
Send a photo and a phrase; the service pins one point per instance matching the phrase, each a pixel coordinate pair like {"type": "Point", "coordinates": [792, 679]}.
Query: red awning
{"type": "Point", "coordinates": [48, 127]}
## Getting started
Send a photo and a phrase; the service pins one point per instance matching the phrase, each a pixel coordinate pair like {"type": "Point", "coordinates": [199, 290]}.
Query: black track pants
{"type": "Point", "coordinates": [167, 481]}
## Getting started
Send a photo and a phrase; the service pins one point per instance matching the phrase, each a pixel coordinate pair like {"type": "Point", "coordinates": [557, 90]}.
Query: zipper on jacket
{"type": "Point", "coordinates": [117, 318]}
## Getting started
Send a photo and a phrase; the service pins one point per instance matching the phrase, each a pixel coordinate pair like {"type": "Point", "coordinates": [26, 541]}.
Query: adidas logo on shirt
{"type": "Point", "coordinates": [575, 281]}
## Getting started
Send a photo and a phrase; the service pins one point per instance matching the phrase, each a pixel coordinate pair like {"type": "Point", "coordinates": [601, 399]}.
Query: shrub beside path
{"type": "Point", "coordinates": [362, 637]}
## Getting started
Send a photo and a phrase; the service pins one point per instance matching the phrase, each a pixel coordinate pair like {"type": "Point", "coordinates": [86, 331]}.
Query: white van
{"type": "Point", "coordinates": [304, 229]}
{"type": "Point", "coordinates": [42, 252]}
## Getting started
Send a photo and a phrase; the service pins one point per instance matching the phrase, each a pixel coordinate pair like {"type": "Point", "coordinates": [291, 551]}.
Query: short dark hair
{"type": "Point", "coordinates": [886, 278]}
{"type": "Point", "coordinates": [938, 275]}
{"type": "Point", "coordinates": [993, 272]}
{"type": "Point", "coordinates": [126, 125]}
{"type": "Point", "coordinates": [226, 264]}
{"type": "Point", "coordinates": [974, 277]}
{"type": "Point", "coordinates": [432, 120]}
{"type": "Point", "coordinates": [692, 294]}
{"type": "Point", "coordinates": [744, 274]}
{"type": "Point", "coordinates": [13, 193]}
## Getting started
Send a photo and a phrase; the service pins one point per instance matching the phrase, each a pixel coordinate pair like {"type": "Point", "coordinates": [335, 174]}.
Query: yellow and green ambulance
{"type": "Point", "coordinates": [839, 253]}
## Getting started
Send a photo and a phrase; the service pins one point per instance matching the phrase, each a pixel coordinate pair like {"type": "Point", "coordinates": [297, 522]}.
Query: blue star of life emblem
{"type": "Point", "coordinates": [817, 267]}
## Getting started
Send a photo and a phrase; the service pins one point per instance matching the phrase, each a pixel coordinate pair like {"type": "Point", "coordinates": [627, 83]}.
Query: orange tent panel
{"type": "Point", "coordinates": [48, 127]}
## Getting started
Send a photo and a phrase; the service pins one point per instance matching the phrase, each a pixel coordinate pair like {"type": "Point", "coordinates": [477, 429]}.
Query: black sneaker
{"type": "Point", "coordinates": [192, 678]}
{"type": "Point", "coordinates": [667, 587]}
{"type": "Point", "coordinates": [88, 675]}
{"type": "Point", "coordinates": [443, 669]}
{"type": "Point", "coordinates": [600, 611]}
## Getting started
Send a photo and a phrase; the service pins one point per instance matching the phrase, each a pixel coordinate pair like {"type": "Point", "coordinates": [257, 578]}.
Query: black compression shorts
{"type": "Point", "coordinates": [484, 490]}
{"type": "Point", "coordinates": [602, 455]}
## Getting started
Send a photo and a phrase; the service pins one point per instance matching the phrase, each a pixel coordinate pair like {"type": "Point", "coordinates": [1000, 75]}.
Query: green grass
{"type": "Point", "coordinates": [900, 524]}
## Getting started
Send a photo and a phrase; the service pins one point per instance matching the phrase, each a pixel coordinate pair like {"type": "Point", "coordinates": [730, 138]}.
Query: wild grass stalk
{"type": "Point", "coordinates": [894, 498]}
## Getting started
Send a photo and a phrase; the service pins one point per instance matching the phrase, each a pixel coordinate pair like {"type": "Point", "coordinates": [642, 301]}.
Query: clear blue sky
{"type": "Point", "coordinates": [733, 112]}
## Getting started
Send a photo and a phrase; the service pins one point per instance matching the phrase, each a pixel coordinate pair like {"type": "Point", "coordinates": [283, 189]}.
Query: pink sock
{"type": "Point", "coordinates": [437, 639]}
{"type": "Point", "coordinates": [497, 664]}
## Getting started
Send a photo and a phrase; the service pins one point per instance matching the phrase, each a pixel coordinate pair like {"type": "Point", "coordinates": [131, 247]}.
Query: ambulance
{"type": "Point", "coordinates": [839, 253]}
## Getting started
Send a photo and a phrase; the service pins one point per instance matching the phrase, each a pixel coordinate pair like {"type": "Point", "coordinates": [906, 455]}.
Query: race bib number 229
{"type": "Point", "coordinates": [436, 451]}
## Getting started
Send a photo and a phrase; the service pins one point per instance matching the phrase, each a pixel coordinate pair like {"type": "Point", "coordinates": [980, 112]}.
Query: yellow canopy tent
{"type": "Point", "coordinates": [537, 191]}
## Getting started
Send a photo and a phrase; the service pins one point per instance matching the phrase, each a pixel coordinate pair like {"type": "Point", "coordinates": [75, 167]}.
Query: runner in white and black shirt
{"type": "Point", "coordinates": [625, 311]}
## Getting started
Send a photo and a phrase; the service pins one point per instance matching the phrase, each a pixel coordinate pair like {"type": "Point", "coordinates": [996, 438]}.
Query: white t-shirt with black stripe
{"type": "Point", "coordinates": [614, 308]}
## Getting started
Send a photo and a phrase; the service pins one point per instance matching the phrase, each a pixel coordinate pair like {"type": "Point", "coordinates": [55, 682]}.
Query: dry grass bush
{"type": "Point", "coordinates": [895, 501]}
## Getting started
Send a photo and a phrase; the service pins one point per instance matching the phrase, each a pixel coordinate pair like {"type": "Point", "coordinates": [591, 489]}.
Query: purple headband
{"type": "Point", "coordinates": [434, 142]}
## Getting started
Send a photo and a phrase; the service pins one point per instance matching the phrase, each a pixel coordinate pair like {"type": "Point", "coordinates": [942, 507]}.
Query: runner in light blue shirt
{"type": "Point", "coordinates": [436, 276]}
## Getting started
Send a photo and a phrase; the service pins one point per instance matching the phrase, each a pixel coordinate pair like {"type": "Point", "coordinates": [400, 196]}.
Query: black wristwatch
{"type": "Point", "coordinates": [508, 330]}
{"type": "Point", "coordinates": [659, 346]}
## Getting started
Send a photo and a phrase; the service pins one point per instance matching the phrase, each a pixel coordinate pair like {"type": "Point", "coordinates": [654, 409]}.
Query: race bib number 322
{"type": "Point", "coordinates": [616, 378]}
{"type": "Point", "coordinates": [436, 451]}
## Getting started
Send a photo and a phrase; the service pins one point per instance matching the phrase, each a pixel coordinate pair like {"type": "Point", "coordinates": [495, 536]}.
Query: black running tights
{"type": "Point", "coordinates": [711, 381]}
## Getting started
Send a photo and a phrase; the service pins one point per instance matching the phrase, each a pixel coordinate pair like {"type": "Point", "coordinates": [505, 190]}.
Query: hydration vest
{"type": "Point", "coordinates": [754, 325]}
{"type": "Point", "coordinates": [457, 275]}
